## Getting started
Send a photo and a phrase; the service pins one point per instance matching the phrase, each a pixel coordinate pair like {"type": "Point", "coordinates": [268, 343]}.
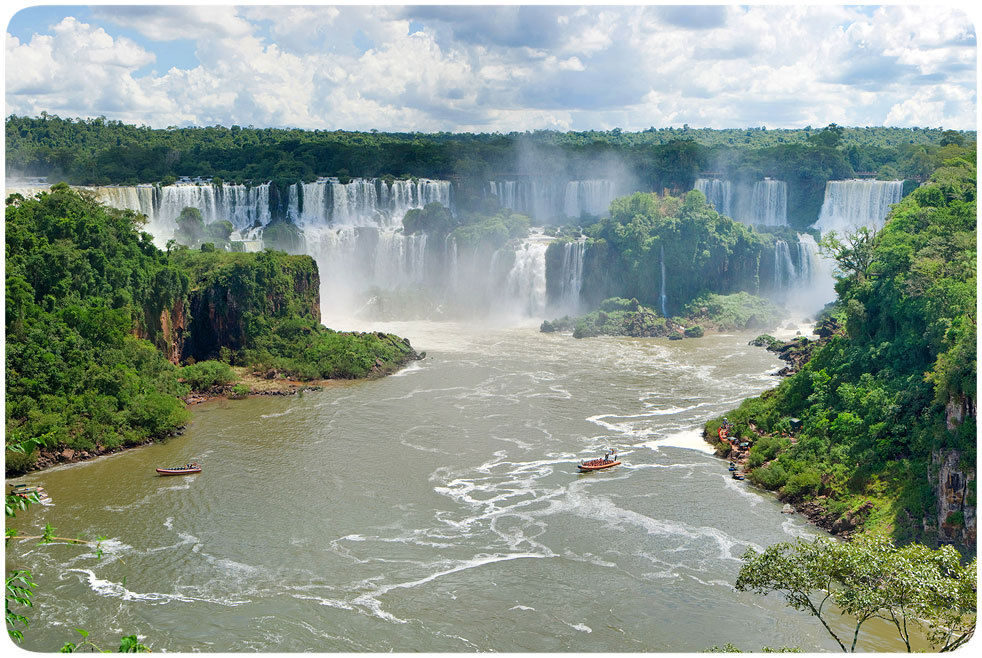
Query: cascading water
{"type": "Point", "coordinates": [571, 276]}
{"type": "Point", "coordinates": [663, 297]}
{"type": "Point", "coordinates": [769, 203]}
{"type": "Point", "coordinates": [587, 197]}
{"type": "Point", "coordinates": [545, 200]}
{"type": "Point", "coordinates": [526, 283]}
{"type": "Point", "coordinates": [718, 193]}
{"type": "Point", "coordinates": [784, 270]}
{"type": "Point", "coordinates": [850, 204]}
{"type": "Point", "coordinates": [364, 201]}
{"type": "Point", "coordinates": [242, 205]}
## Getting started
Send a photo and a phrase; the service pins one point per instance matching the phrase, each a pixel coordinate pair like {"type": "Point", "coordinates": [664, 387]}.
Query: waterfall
{"type": "Point", "coordinates": [850, 204]}
{"type": "Point", "coordinates": [526, 283]}
{"type": "Point", "coordinates": [663, 297]}
{"type": "Point", "coordinates": [587, 197]}
{"type": "Point", "coordinates": [450, 257]}
{"type": "Point", "coordinates": [545, 200]}
{"type": "Point", "coordinates": [718, 193]}
{"type": "Point", "coordinates": [784, 271]}
{"type": "Point", "coordinates": [769, 203]}
{"type": "Point", "coordinates": [571, 277]}
{"type": "Point", "coordinates": [364, 201]}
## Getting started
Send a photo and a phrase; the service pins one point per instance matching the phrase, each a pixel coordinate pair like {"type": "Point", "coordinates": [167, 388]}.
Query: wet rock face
{"type": "Point", "coordinates": [957, 519]}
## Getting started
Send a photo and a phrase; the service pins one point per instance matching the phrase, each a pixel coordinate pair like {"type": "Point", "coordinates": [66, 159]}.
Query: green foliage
{"type": "Point", "coordinates": [736, 312]}
{"type": "Point", "coordinates": [910, 587]}
{"type": "Point", "coordinates": [239, 391]}
{"type": "Point", "coordinates": [667, 251]}
{"type": "Point", "coordinates": [81, 280]}
{"type": "Point", "coordinates": [205, 375]}
{"type": "Point", "coordinates": [873, 402]}
{"type": "Point", "coordinates": [434, 218]}
{"type": "Point", "coordinates": [19, 592]}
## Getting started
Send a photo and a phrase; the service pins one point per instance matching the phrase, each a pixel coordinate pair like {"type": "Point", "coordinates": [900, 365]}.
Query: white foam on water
{"type": "Point", "coordinates": [579, 627]}
{"type": "Point", "coordinates": [110, 589]}
{"type": "Point", "coordinates": [522, 607]}
{"type": "Point", "coordinates": [412, 368]}
{"type": "Point", "coordinates": [277, 415]}
{"type": "Point", "coordinates": [371, 602]}
{"type": "Point", "coordinates": [688, 439]}
{"type": "Point", "coordinates": [183, 485]}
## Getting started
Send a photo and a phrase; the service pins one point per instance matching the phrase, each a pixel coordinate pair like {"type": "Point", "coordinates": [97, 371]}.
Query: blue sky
{"type": "Point", "coordinates": [512, 67]}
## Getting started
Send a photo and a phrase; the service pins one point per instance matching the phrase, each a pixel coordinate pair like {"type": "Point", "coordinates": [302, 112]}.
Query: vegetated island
{"type": "Point", "coordinates": [709, 312]}
{"type": "Point", "coordinates": [98, 320]}
{"type": "Point", "coordinates": [876, 432]}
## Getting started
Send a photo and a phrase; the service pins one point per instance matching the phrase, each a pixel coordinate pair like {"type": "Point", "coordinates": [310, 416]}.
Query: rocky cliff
{"type": "Point", "coordinates": [239, 296]}
{"type": "Point", "coordinates": [952, 477]}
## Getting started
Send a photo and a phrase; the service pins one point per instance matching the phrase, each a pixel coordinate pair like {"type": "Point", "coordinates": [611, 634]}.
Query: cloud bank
{"type": "Point", "coordinates": [470, 68]}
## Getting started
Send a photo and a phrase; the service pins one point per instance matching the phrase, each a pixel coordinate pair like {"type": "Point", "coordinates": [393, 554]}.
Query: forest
{"type": "Point", "coordinates": [884, 403]}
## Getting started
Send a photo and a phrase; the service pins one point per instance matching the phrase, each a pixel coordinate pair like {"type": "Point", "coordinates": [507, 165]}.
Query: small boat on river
{"type": "Point", "coordinates": [25, 491]}
{"type": "Point", "coordinates": [597, 464]}
{"type": "Point", "coordinates": [181, 470]}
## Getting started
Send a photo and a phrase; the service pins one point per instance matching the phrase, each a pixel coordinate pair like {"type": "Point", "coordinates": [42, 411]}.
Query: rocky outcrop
{"type": "Point", "coordinates": [225, 301]}
{"type": "Point", "coordinates": [956, 519]}
{"type": "Point", "coordinates": [166, 329]}
{"type": "Point", "coordinates": [798, 351]}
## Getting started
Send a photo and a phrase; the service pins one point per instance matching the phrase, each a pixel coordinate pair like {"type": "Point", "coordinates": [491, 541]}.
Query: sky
{"type": "Point", "coordinates": [502, 68]}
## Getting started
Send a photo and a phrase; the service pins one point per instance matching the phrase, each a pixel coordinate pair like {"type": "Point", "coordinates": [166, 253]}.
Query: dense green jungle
{"type": "Point", "coordinates": [101, 152]}
{"type": "Point", "coordinates": [886, 411]}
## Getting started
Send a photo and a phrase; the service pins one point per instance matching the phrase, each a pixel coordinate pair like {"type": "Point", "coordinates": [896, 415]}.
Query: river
{"type": "Point", "coordinates": [435, 510]}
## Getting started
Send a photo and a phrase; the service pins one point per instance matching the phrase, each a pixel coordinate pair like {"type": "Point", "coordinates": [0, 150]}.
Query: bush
{"type": "Point", "coordinates": [618, 304]}
{"type": "Point", "coordinates": [205, 375]}
{"type": "Point", "coordinates": [802, 484]}
{"type": "Point", "coordinates": [239, 391]}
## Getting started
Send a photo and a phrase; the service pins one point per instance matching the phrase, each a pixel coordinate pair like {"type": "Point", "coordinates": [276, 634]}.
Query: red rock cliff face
{"type": "Point", "coordinates": [168, 330]}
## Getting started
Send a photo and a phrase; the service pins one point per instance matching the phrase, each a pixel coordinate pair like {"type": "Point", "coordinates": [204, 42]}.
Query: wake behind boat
{"type": "Point", "coordinates": [180, 470]}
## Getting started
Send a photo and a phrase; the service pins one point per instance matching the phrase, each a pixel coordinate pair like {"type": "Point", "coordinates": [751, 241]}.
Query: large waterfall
{"type": "Point", "coordinates": [363, 202]}
{"type": "Point", "coordinates": [765, 202]}
{"type": "Point", "coordinates": [571, 276]}
{"type": "Point", "coordinates": [550, 200]}
{"type": "Point", "coordinates": [784, 270]}
{"type": "Point", "coordinates": [718, 193]}
{"type": "Point", "coordinates": [243, 205]}
{"type": "Point", "coordinates": [802, 278]}
{"type": "Point", "coordinates": [850, 204]}
{"type": "Point", "coordinates": [768, 203]}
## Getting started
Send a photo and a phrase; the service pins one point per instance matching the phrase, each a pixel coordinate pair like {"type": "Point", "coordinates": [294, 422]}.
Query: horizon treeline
{"type": "Point", "coordinates": [104, 152]}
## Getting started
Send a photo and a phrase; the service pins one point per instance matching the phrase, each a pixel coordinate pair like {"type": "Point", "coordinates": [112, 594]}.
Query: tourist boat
{"type": "Point", "coordinates": [737, 476]}
{"type": "Point", "coordinates": [25, 491]}
{"type": "Point", "coordinates": [597, 464]}
{"type": "Point", "coordinates": [180, 470]}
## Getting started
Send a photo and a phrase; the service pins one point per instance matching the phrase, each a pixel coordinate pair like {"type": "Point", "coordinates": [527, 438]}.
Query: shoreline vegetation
{"type": "Point", "coordinates": [712, 313]}
{"type": "Point", "coordinates": [107, 335]}
{"type": "Point", "coordinates": [874, 428]}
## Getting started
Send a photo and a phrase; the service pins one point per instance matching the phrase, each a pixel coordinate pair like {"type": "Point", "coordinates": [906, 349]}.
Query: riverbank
{"type": "Point", "coordinates": [257, 387]}
{"type": "Point", "coordinates": [841, 525]}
